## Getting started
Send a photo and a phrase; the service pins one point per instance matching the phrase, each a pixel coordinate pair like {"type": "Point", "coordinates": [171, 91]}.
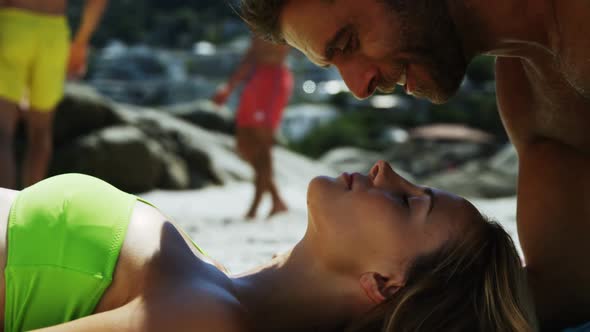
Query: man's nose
{"type": "Point", "coordinates": [359, 75]}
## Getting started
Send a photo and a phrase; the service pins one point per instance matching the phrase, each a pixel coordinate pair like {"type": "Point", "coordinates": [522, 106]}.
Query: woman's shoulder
{"type": "Point", "coordinates": [209, 307]}
{"type": "Point", "coordinates": [178, 308]}
{"type": "Point", "coordinates": [156, 255]}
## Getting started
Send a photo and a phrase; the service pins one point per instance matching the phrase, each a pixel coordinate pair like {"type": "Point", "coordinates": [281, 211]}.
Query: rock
{"type": "Point", "coordinates": [424, 158]}
{"type": "Point", "coordinates": [120, 155]}
{"type": "Point", "coordinates": [175, 153]}
{"type": "Point", "coordinates": [211, 154]}
{"type": "Point", "coordinates": [82, 111]}
{"type": "Point", "coordinates": [204, 114]}
{"type": "Point", "coordinates": [138, 149]}
{"type": "Point", "coordinates": [487, 178]}
{"type": "Point", "coordinates": [348, 159]}
{"type": "Point", "coordinates": [175, 175]}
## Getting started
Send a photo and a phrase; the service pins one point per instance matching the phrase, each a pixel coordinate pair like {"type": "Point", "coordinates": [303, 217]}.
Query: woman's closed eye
{"type": "Point", "coordinates": [406, 200]}
{"type": "Point", "coordinates": [401, 198]}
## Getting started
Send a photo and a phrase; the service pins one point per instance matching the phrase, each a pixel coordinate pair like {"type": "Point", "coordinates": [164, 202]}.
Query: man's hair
{"type": "Point", "coordinates": [474, 284]}
{"type": "Point", "coordinates": [262, 16]}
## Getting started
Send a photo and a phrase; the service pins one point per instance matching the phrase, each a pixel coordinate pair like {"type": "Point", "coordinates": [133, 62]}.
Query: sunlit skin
{"type": "Point", "coordinates": [543, 89]}
{"type": "Point", "coordinates": [363, 232]}
{"type": "Point", "coordinates": [375, 47]}
{"type": "Point", "coordinates": [381, 214]}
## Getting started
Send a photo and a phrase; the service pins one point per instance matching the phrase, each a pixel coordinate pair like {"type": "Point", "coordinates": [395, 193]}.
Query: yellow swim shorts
{"type": "Point", "coordinates": [34, 50]}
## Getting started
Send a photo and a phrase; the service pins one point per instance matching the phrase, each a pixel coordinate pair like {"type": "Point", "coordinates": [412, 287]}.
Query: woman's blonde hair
{"type": "Point", "coordinates": [476, 283]}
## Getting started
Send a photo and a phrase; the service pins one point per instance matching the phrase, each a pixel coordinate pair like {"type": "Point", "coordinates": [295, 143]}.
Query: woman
{"type": "Point", "coordinates": [379, 253]}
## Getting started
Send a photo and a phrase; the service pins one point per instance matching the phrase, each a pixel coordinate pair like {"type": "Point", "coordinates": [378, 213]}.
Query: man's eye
{"type": "Point", "coordinates": [348, 46]}
{"type": "Point", "coordinates": [343, 46]}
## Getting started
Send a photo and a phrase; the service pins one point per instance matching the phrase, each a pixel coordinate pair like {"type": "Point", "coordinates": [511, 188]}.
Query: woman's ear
{"type": "Point", "coordinates": [378, 287]}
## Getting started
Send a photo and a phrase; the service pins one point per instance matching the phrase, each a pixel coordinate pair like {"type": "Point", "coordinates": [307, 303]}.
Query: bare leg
{"type": "Point", "coordinates": [255, 146]}
{"type": "Point", "coordinates": [278, 205]}
{"type": "Point", "coordinates": [39, 146]}
{"type": "Point", "coordinates": [264, 182]}
{"type": "Point", "coordinates": [9, 115]}
{"type": "Point", "coordinates": [246, 142]}
{"type": "Point", "coordinates": [259, 190]}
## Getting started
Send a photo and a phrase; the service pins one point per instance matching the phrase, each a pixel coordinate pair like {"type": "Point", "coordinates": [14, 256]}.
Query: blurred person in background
{"type": "Point", "coordinates": [35, 55]}
{"type": "Point", "coordinates": [542, 52]}
{"type": "Point", "coordinates": [268, 87]}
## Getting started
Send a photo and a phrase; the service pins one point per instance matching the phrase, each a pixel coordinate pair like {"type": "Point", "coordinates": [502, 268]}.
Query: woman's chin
{"type": "Point", "coordinates": [319, 184]}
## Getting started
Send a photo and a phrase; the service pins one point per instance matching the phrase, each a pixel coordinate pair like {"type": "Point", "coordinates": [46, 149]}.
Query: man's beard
{"type": "Point", "coordinates": [428, 31]}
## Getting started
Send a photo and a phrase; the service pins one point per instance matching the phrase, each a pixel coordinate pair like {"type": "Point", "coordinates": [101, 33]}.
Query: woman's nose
{"type": "Point", "coordinates": [374, 171]}
{"type": "Point", "coordinates": [382, 171]}
{"type": "Point", "coordinates": [383, 175]}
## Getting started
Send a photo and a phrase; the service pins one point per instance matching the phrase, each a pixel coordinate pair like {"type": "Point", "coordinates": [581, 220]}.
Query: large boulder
{"type": "Point", "coordinates": [423, 158]}
{"type": "Point", "coordinates": [138, 149]}
{"type": "Point", "coordinates": [81, 111]}
{"type": "Point", "coordinates": [204, 114]}
{"type": "Point", "coordinates": [211, 154]}
{"type": "Point", "coordinates": [130, 147]}
{"type": "Point", "coordinates": [487, 177]}
{"type": "Point", "coordinates": [120, 155]}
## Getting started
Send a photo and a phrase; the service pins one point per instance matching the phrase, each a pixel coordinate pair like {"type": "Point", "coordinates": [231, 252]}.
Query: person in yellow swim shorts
{"type": "Point", "coordinates": [36, 54]}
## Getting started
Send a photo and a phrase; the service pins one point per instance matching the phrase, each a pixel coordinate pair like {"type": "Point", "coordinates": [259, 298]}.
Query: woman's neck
{"type": "Point", "coordinates": [504, 27]}
{"type": "Point", "coordinates": [294, 293]}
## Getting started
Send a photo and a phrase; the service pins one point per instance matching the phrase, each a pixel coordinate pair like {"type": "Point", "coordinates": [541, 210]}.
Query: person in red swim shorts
{"type": "Point", "coordinates": [268, 87]}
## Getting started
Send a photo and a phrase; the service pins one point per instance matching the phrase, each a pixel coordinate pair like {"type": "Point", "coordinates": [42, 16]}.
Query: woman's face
{"type": "Point", "coordinates": [360, 223]}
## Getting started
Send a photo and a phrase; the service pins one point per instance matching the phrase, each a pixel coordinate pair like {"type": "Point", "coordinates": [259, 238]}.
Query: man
{"type": "Point", "coordinates": [268, 86]}
{"type": "Point", "coordinates": [543, 87]}
{"type": "Point", "coordinates": [34, 47]}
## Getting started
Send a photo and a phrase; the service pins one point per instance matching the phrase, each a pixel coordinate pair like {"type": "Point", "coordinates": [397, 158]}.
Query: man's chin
{"type": "Point", "coordinates": [437, 97]}
{"type": "Point", "coordinates": [433, 98]}
{"type": "Point", "coordinates": [439, 100]}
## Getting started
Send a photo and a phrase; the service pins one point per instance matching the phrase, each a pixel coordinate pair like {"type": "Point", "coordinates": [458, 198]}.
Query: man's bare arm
{"type": "Point", "coordinates": [244, 67]}
{"type": "Point", "coordinates": [93, 11]}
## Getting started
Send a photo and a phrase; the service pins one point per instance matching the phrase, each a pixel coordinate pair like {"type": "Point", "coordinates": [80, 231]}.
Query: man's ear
{"type": "Point", "coordinates": [378, 287]}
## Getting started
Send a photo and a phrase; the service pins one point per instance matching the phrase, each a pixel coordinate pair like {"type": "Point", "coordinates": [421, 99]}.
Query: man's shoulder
{"type": "Point", "coordinates": [573, 28]}
{"type": "Point", "coordinates": [514, 93]}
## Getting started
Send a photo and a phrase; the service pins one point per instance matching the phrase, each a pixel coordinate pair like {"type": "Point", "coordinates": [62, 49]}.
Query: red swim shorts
{"type": "Point", "coordinates": [265, 96]}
